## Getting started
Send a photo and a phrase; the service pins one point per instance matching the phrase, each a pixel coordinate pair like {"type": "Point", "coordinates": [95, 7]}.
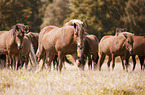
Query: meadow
{"type": "Point", "coordinates": [73, 81]}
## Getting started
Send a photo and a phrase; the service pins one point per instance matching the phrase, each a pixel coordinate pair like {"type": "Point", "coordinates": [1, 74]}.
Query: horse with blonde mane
{"type": "Point", "coordinates": [62, 41]}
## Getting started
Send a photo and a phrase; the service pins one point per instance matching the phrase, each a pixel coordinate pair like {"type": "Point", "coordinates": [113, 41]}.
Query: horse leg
{"type": "Point", "coordinates": [134, 62]}
{"type": "Point", "coordinates": [55, 62]}
{"type": "Point", "coordinates": [141, 59]}
{"type": "Point", "coordinates": [113, 61]}
{"type": "Point", "coordinates": [122, 60]}
{"type": "Point", "coordinates": [101, 60]}
{"type": "Point", "coordinates": [127, 63]}
{"type": "Point", "coordinates": [108, 63]}
{"type": "Point", "coordinates": [27, 61]}
{"type": "Point", "coordinates": [7, 61]}
{"type": "Point", "coordinates": [60, 57]}
{"type": "Point", "coordinates": [12, 62]}
{"type": "Point", "coordinates": [16, 62]}
{"type": "Point", "coordinates": [89, 62]}
{"type": "Point", "coordinates": [51, 57]}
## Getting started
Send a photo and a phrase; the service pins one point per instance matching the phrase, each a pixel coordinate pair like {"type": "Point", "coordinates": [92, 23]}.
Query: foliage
{"type": "Point", "coordinates": [20, 11]}
{"type": "Point", "coordinates": [101, 16]}
{"type": "Point", "coordinates": [55, 13]}
{"type": "Point", "coordinates": [135, 16]}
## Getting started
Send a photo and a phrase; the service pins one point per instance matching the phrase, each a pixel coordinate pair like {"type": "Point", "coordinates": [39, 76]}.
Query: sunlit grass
{"type": "Point", "coordinates": [73, 81]}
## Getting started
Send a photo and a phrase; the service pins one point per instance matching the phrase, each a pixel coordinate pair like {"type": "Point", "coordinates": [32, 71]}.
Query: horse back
{"type": "Point", "coordinates": [93, 42]}
{"type": "Point", "coordinates": [139, 45]}
{"type": "Point", "coordinates": [59, 39]}
{"type": "Point", "coordinates": [104, 45]}
{"type": "Point", "coordinates": [4, 40]}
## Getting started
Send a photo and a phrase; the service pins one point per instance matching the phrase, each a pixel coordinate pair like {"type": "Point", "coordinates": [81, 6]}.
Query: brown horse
{"type": "Point", "coordinates": [138, 49]}
{"type": "Point", "coordinates": [89, 47]}
{"type": "Point", "coordinates": [11, 41]}
{"type": "Point", "coordinates": [62, 41]}
{"type": "Point", "coordinates": [34, 39]}
{"type": "Point", "coordinates": [40, 48]}
{"type": "Point", "coordinates": [28, 52]}
{"type": "Point", "coordinates": [119, 45]}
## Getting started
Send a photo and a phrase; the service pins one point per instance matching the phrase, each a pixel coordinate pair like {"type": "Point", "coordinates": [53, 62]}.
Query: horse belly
{"type": "Point", "coordinates": [2, 44]}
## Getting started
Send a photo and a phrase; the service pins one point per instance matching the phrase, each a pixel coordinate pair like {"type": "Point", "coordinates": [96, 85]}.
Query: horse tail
{"type": "Point", "coordinates": [42, 33]}
{"type": "Point", "coordinates": [32, 55]}
{"type": "Point", "coordinates": [39, 50]}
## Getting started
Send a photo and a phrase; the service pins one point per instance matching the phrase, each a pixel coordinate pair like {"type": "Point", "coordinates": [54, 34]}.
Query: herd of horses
{"type": "Point", "coordinates": [19, 46]}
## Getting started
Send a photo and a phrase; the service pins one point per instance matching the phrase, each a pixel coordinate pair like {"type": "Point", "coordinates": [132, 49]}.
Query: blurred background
{"type": "Point", "coordinates": [102, 17]}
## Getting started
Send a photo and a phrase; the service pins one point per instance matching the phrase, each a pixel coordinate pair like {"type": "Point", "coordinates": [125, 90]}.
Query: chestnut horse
{"type": "Point", "coordinates": [119, 45]}
{"type": "Point", "coordinates": [11, 41]}
{"type": "Point", "coordinates": [139, 49]}
{"type": "Point", "coordinates": [62, 41]}
{"type": "Point", "coordinates": [89, 47]}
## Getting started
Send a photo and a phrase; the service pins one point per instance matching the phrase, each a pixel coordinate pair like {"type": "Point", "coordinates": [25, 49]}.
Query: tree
{"type": "Point", "coordinates": [101, 16]}
{"type": "Point", "coordinates": [56, 12]}
{"type": "Point", "coordinates": [135, 16]}
{"type": "Point", "coordinates": [20, 11]}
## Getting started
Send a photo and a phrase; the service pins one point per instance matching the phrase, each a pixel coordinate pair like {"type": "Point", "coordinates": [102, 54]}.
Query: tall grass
{"type": "Point", "coordinates": [73, 81]}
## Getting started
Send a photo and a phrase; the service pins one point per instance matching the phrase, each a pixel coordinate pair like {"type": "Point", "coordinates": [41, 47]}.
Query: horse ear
{"type": "Point", "coordinates": [15, 27]}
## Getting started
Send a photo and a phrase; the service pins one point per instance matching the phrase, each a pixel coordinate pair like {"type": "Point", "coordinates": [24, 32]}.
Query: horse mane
{"type": "Point", "coordinates": [21, 26]}
{"type": "Point", "coordinates": [74, 22]}
{"type": "Point", "coordinates": [71, 22]}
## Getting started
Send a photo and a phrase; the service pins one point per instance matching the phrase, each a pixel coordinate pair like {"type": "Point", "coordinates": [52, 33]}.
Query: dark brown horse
{"type": "Point", "coordinates": [62, 41]}
{"type": "Point", "coordinates": [119, 45]}
{"type": "Point", "coordinates": [139, 49]}
{"type": "Point", "coordinates": [11, 41]}
{"type": "Point", "coordinates": [89, 47]}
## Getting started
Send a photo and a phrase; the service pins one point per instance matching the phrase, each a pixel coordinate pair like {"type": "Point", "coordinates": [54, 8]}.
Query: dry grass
{"type": "Point", "coordinates": [73, 81]}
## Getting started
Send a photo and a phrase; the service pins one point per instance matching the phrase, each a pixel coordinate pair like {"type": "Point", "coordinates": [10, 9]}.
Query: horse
{"type": "Point", "coordinates": [28, 52]}
{"type": "Point", "coordinates": [89, 47]}
{"type": "Point", "coordinates": [11, 41]}
{"type": "Point", "coordinates": [34, 39]}
{"type": "Point", "coordinates": [119, 45]}
{"type": "Point", "coordinates": [41, 34]}
{"type": "Point", "coordinates": [139, 49]}
{"type": "Point", "coordinates": [62, 41]}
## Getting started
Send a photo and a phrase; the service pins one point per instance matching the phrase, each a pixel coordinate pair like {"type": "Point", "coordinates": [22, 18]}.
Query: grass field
{"type": "Point", "coordinates": [73, 81]}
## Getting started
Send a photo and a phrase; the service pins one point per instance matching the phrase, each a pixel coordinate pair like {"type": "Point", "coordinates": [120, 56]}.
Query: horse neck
{"type": "Point", "coordinates": [85, 48]}
{"type": "Point", "coordinates": [119, 42]}
{"type": "Point", "coordinates": [11, 38]}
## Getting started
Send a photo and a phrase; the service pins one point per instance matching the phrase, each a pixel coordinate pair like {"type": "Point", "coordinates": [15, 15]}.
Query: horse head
{"type": "Point", "coordinates": [18, 32]}
{"type": "Point", "coordinates": [128, 44]}
{"type": "Point", "coordinates": [79, 30]}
